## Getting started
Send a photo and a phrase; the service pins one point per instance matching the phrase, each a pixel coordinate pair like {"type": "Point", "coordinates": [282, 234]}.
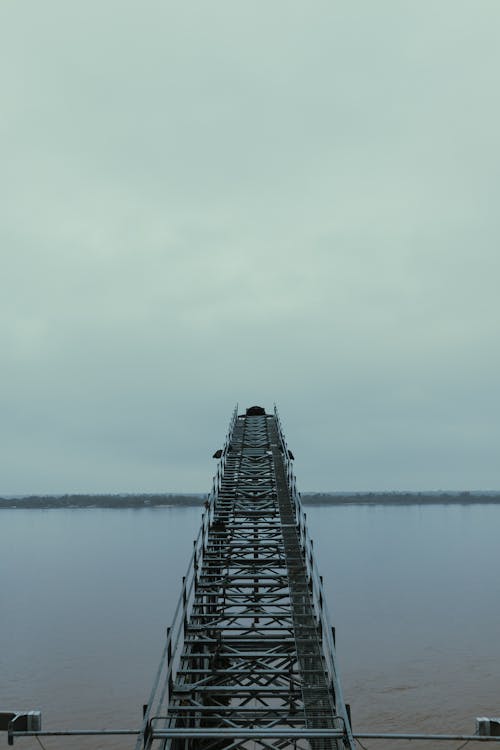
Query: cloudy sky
{"type": "Point", "coordinates": [205, 203]}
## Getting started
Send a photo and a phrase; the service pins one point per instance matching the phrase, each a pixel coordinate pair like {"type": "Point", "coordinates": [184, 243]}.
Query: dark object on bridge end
{"type": "Point", "coordinates": [20, 721]}
{"type": "Point", "coordinates": [488, 727]}
{"type": "Point", "coordinates": [255, 411]}
{"type": "Point", "coordinates": [217, 453]}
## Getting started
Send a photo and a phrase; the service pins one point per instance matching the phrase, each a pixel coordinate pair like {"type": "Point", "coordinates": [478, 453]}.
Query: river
{"type": "Point", "coordinates": [414, 593]}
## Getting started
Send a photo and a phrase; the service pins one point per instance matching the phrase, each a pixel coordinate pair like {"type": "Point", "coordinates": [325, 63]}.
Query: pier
{"type": "Point", "coordinates": [249, 660]}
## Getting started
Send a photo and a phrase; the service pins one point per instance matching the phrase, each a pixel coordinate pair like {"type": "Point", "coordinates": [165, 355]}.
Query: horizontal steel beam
{"type": "Point", "coordinates": [247, 734]}
{"type": "Point", "coordinates": [257, 733]}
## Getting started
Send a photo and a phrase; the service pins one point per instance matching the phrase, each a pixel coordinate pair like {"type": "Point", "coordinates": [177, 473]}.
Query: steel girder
{"type": "Point", "coordinates": [251, 649]}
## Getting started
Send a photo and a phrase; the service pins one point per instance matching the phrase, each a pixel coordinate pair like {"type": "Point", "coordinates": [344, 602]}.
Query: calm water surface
{"type": "Point", "coordinates": [414, 593]}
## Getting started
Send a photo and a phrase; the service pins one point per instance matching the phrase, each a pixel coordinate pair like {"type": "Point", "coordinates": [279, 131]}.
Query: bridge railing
{"type": "Point", "coordinates": [326, 632]}
{"type": "Point", "coordinates": [161, 691]}
{"type": "Point", "coordinates": [170, 658]}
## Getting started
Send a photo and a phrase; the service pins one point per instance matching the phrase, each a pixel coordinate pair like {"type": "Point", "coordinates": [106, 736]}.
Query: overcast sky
{"type": "Point", "coordinates": [205, 203]}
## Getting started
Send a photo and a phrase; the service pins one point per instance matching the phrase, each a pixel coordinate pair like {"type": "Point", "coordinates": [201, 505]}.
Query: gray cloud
{"type": "Point", "coordinates": [205, 204]}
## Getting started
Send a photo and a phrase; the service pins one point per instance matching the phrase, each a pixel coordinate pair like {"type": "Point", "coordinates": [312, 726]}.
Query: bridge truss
{"type": "Point", "coordinates": [249, 661]}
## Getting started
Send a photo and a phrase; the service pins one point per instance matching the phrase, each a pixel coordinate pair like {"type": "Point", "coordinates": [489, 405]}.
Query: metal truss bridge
{"type": "Point", "coordinates": [249, 661]}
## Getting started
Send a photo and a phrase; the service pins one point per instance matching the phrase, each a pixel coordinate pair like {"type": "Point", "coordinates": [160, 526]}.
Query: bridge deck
{"type": "Point", "coordinates": [252, 655]}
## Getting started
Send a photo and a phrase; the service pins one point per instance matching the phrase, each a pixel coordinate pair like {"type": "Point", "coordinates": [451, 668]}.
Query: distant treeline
{"type": "Point", "coordinates": [400, 498]}
{"type": "Point", "coordinates": [101, 501]}
{"type": "Point", "coordinates": [309, 498]}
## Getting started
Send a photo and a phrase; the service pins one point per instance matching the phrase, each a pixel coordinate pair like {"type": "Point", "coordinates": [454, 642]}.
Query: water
{"type": "Point", "coordinates": [86, 596]}
{"type": "Point", "coordinates": [415, 599]}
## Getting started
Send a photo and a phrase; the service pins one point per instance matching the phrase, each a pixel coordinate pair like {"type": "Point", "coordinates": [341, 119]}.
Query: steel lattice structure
{"type": "Point", "coordinates": [249, 661]}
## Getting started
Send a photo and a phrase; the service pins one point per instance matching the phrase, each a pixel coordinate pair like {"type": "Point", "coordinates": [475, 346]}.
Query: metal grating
{"type": "Point", "coordinates": [249, 661]}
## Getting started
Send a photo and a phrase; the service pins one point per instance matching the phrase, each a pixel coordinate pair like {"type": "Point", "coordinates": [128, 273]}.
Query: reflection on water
{"type": "Point", "coordinates": [413, 592]}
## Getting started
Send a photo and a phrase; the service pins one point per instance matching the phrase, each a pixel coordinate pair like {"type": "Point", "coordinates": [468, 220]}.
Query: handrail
{"type": "Point", "coordinates": [316, 581]}
{"type": "Point", "coordinates": [172, 649]}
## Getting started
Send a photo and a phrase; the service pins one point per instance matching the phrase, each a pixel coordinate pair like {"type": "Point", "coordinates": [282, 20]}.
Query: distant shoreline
{"type": "Point", "coordinates": [122, 501]}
